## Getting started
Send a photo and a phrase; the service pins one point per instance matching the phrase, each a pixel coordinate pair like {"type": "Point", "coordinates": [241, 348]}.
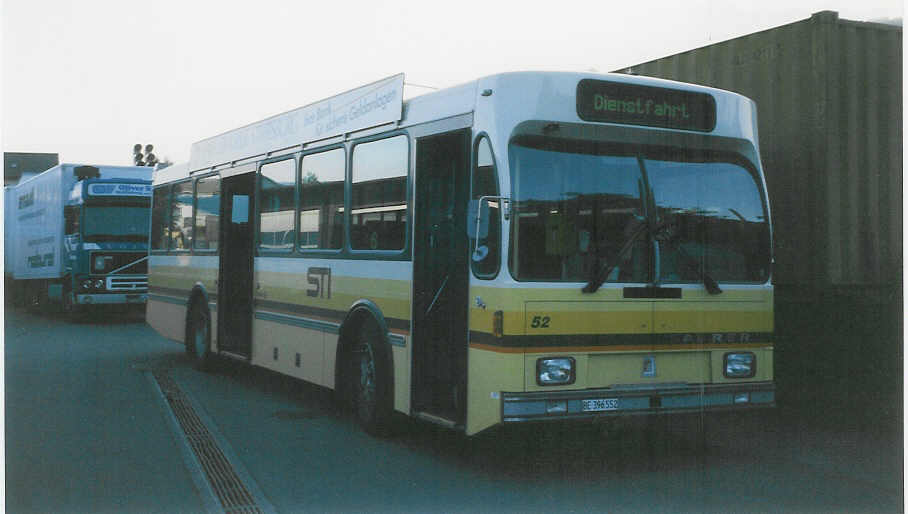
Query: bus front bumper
{"type": "Point", "coordinates": [635, 400]}
{"type": "Point", "coordinates": [111, 298]}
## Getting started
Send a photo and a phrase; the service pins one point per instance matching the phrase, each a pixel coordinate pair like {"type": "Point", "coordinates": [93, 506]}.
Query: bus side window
{"type": "Point", "coordinates": [485, 183]}
{"type": "Point", "coordinates": [181, 217]}
{"type": "Point", "coordinates": [159, 205]}
{"type": "Point", "coordinates": [207, 205]}
{"type": "Point", "coordinates": [321, 217]}
{"type": "Point", "coordinates": [379, 205]}
{"type": "Point", "coordinates": [277, 205]}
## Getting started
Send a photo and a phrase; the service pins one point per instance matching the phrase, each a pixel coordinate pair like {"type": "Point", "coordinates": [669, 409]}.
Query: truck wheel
{"type": "Point", "coordinates": [13, 292]}
{"type": "Point", "coordinates": [198, 340]}
{"type": "Point", "coordinates": [371, 387]}
{"type": "Point", "coordinates": [35, 296]}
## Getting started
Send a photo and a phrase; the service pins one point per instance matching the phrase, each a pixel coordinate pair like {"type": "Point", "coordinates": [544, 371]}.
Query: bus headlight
{"type": "Point", "coordinates": [555, 371]}
{"type": "Point", "coordinates": [740, 365]}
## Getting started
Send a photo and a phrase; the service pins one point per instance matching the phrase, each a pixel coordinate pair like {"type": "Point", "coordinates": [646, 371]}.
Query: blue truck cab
{"type": "Point", "coordinates": [77, 236]}
{"type": "Point", "coordinates": [106, 242]}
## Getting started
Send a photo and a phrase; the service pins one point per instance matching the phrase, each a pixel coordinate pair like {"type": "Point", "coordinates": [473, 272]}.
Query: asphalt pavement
{"type": "Point", "coordinates": [84, 432]}
{"type": "Point", "coordinates": [87, 431]}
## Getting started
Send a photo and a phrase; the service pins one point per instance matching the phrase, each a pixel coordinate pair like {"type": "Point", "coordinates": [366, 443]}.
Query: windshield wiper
{"type": "Point", "coordinates": [712, 287]}
{"type": "Point", "coordinates": [601, 272]}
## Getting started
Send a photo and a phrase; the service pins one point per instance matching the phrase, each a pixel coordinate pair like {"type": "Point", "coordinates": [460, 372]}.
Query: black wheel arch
{"type": "Point", "coordinates": [361, 312]}
{"type": "Point", "coordinates": [198, 296]}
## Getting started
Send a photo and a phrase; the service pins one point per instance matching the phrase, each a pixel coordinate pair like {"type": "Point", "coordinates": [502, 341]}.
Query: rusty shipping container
{"type": "Point", "coordinates": [829, 100]}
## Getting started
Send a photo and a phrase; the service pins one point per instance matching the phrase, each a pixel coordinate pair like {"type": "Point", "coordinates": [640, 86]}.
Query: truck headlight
{"type": "Point", "coordinates": [555, 371]}
{"type": "Point", "coordinates": [86, 284]}
{"type": "Point", "coordinates": [99, 263]}
{"type": "Point", "coordinates": [99, 284]}
{"type": "Point", "coordinates": [740, 365]}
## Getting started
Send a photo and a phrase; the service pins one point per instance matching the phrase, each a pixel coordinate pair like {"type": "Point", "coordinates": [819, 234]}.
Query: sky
{"type": "Point", "coordinates": [88, 79]}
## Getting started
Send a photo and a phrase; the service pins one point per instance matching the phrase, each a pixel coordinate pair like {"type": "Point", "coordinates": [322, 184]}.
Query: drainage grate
{"type": "Point", "coordinates": [220, 473]}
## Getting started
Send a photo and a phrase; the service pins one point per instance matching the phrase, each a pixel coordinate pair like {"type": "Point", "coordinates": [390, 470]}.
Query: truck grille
{"type": "Point", "coordinates": [127, 283]}
{"type": "Point", "coordinates": [116, 260]}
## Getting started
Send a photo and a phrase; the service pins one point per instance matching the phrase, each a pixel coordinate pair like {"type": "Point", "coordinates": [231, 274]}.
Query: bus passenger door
{"type": "Point", "coordinates": [440, 276]}
{"type": "Point", "coordinates": [235, 273]}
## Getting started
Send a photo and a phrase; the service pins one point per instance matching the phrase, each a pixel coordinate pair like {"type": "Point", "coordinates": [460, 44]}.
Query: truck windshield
{"type": "Point", "coordinates": [580, 207]}
{"type": "Point", "coordinates": [123, 223]}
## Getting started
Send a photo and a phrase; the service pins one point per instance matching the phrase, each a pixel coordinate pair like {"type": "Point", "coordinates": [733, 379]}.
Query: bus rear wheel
{"type": "Point", "coordinates": [371, 387]}
{"type": "Point", "coordinates": [198, 338]}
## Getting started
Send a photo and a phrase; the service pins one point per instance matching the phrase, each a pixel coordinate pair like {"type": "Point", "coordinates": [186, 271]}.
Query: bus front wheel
{"type": "Point", "coordinates": [371, 387]}
{"type": "Point", "coordinates": [198, 341]}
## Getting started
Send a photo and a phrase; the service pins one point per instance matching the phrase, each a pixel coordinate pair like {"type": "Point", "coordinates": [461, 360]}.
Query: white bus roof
{"type": "Point", "coordinates": [381, 103]}
{"type": "Point", "coordinates": [367, 106]}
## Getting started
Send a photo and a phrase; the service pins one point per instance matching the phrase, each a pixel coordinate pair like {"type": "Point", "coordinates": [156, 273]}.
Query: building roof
{"type": "Point", "coordinates": [15, 164]}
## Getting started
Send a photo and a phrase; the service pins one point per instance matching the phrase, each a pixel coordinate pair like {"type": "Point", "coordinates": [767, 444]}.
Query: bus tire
{"type": "Point", "coordinates": [198, 337]}
{"type": "Point", "coordinates": [371, 387]}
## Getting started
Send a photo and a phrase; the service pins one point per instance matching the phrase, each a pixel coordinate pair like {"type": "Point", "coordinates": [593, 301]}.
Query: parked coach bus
{"type": "Point", "coordinates": [527, 246]}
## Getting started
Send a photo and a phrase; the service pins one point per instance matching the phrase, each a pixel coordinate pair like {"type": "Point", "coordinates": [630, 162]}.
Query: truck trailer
{"type": "Point", "coordinates": [76, 235]}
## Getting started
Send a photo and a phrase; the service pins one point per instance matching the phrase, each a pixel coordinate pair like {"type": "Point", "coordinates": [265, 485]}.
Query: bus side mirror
{"type": "Point", "coordinates": [478, 219]}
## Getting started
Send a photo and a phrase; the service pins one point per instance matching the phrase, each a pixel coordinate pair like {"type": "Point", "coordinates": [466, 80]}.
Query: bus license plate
{"type": "Point", "coordinates": [599, 405]}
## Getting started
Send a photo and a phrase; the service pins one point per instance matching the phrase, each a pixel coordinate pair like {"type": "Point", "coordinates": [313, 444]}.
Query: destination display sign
{"type": "Point", "coordinates": [632, 104]}
{"type": "Point", "coordinates": [119, 190]}
{"type": "Point", "coordinates": [364, 107]}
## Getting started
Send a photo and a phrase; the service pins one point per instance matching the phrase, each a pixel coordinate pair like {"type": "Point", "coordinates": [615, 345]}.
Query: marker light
{"type": "Point", "coordinates": [498, 324]}
{"type": "Point", "coordinates": [555, 371]}
{"type": "Point", "coordinates": [740, 365]}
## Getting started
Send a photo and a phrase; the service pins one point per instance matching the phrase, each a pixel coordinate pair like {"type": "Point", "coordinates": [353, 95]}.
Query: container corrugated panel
{"type": "Point", "coordinates": [828, 94]}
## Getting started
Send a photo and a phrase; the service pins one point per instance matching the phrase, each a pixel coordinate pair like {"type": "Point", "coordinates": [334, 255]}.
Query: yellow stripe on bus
{"type": "Point", "coordinates": [619, 348]}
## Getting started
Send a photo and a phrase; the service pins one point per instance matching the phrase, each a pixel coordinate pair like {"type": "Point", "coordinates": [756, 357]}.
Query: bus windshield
{"type": "Point", "coordinates": [120, 222]}
{"type": "Point", "coordinates": [580, 207]}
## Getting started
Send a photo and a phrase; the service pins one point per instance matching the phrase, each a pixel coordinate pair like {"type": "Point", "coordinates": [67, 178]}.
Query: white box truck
{"type": "Point", "coordinates": [77, 234]}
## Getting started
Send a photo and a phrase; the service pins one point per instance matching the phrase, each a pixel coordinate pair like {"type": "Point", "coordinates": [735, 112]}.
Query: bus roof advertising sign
{"type": "Point", "coordinates": [367, 106]}
{"type": "Point", "coordinates": [634, 104]}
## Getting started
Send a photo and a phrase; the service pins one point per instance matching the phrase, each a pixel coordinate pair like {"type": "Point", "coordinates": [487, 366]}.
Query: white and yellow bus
{"type": "Point", "coordinates": [526, 246]}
